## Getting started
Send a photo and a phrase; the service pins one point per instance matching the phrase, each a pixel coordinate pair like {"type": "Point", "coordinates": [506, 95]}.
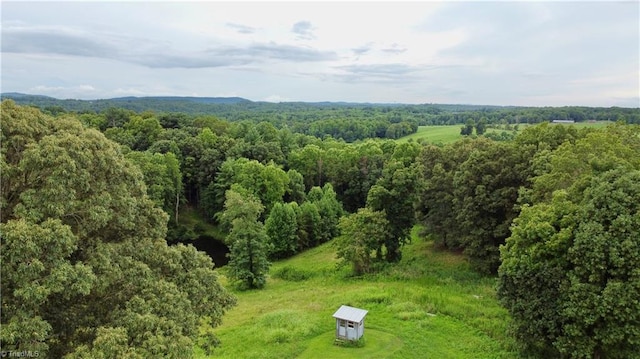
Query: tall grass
{"type": "Point", "coordinates": [429, 305]}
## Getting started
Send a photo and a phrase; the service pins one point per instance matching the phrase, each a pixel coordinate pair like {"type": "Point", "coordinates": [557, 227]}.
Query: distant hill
{"type": "Point", "coordinates": [139, 104]}
{"type": "Point", "coordinates": [216, 100]}
{"type": "Point", "coordinates": [21, 96]}
{"type": "Point", "coordinates": [206, 105]}
{"type": "Point", "coordinates": [293, 114]}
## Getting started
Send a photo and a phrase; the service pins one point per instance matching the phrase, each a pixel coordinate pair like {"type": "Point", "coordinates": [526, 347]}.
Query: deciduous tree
{"type": "Point", "coordinates": [363, 234]}
{"type": "Point", "coordinates": [247, 240]}
{"type": "Point", "coordinates": [569, 274]}
{"type": "Point", "coordinates": [86, 271]}
{"type": "Point", "coordinates": [282, 228]}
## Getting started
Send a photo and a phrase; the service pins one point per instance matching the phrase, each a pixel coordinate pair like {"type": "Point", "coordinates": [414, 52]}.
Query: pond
{"type": "Point", "coordinates": [213, 247]}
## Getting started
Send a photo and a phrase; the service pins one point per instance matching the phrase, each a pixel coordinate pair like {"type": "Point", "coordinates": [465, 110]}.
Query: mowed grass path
{"type": "Point", "coordinates": [430, 305]}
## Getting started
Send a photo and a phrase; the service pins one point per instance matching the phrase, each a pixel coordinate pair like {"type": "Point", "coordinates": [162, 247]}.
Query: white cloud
{"type": "Point", "coordinates": [463, 52]}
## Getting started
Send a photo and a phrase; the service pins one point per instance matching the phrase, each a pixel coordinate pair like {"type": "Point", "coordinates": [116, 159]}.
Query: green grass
{"type": "Point", "coordinates": [442, 134]}
{"type": "Point", "coordinates": [377, 345]}
{"type": "Point", "coordinates": [451, 133]}
{"type": "Point", "coordinates": [435, 134]}
{"type": "Point", "coordinates": [430, 305]}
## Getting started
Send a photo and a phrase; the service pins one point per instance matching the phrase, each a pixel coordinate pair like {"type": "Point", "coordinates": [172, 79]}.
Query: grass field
{"type": "Point", "coordinates": [435, 134]}
{"type": "Point", "coordinates": [430, 305]}
{"type": "Point", "coordinates": [451, 133]}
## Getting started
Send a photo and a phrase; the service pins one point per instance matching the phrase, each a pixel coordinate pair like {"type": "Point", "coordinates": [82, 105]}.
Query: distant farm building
{"type": "Point", "coordinates": [349, 323]}
{"type": "Point", "coordinates": [564, 121]}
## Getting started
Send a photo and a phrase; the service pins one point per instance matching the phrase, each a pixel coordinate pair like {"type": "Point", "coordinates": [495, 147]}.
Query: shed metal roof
{"type": "Point", "coordinates": [352, 314]}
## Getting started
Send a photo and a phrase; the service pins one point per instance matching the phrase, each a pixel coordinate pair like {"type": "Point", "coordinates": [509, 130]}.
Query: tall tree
{"type": "Point", "coordinates": [309, 226]}
{"type": "Point", "coordinates": [363, 234]}
{"type": "Point", "coordinates": [569, 274]}
{"type": "Point", "coordinates": [295, 190]}
{"type": "Point", "coordinates": [282, 228]}
{"type": "Point", "coordinates": [84, 260]}
{"type": "Point", "coordinates": [481, 126]}
{"type": "Point", "coordinates": [309, 162]}
{"type": "Point", "coordinates": [485, 195]}
{"type": "Point", "coordinates": [163, 179]}
{"type": "Point", "coordinates": [267, 182]}
{"type": "Point", "coordinates": [394, 194]}
{"type": "Point", "coordinates": [144, 131]}
{"type": "Point", "coordinates": [467, 129]}
{"type": "Point", "coordinates": [329, 209]}
{"type": "Point", "coordinates": [435, 205]}
{"type": "Point", "coordinates": [247, 240]}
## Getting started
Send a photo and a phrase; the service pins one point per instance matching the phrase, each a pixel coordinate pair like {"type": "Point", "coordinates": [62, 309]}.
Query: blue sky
{"type": "Point", "coordinates": [496, 53]}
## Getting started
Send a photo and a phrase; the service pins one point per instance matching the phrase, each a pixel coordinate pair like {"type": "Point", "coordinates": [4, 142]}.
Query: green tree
{"type": "Point", "coordinates": [435, 204]}
{"type": "Point", "coordinates": [86, 271]}
{"type": "Point", "coordinates": [309, 162]}
{"type": "Point", "coordinates": [163, 179]}
{"type": "Point", "coordinates": [144, 131]}
{"type": "Point", "coordinates": [572, 164]}
{"type": "Point", "coordinates": [469, 195]}
{"type": "Point", "coordinates": [36, 266]}
{"type": "Point", "coordinates": [481, 126]}
{"type": "Point", "coordinates": [363, 234]}
{"type": "Point", "coordinates": [268, 182]}
{"type": "Point", "coordinates": [467, 130]}
{"type": "Point", "coordinates": [329, 209]}
{"type": "Point", "coordinates": [218, 126]}
{"type": "Point", "coordinates": [295, 190]}
{"type": "Point", "coordinates": [116, 117]}
{"type": "Point", "coordinates": [121, 136]}
{"type": "Point", "coordinates": [366, 167]}
{"type": "Point", "coordinates": [394, 194]}
{"type": "Point", "coordinates": [247, 240]}
{"type": "Point", "coordinates": [282, 228]}
{"type": "Point", "coordinates": [309, 226]}
{"type": "Point", "coordinates": [569, 274]}
{"type": "Point", "coordinates": [485, 195]}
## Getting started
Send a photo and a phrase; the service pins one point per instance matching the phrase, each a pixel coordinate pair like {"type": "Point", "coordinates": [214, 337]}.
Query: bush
{"type": "Point", "coordinates": [292, 274]}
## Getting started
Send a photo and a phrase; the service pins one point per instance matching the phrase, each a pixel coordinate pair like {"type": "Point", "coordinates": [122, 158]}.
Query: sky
{"type": "Point", "coordinates": [522, 53]}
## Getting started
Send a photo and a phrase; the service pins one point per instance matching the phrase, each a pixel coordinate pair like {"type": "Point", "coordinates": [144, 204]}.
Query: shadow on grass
{"type": "Point", "coordinates": [378, 345]}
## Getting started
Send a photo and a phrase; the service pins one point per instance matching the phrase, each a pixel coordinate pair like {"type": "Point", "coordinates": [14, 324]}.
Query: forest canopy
{"type": "Point", "coordinates": [86, 270]}
{"type": "Point", "coordinates": [96, 250]}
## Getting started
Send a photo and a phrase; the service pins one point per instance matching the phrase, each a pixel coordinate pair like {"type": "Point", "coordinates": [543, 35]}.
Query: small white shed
{"type": "Point", "coordinates": [349, 322]}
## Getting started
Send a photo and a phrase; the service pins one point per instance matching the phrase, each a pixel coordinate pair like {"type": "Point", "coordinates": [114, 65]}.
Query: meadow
{"type": "Point", "coordinates": [451, 133]}
{"type": "Point", "coordinates": [430, 305]}
{"type": "Point", "coordinates": [435, 134]}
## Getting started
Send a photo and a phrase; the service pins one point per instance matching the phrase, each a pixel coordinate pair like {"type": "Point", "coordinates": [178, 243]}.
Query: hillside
{"type": "Point", "coordinates": [430, 305]}
{"type": "Point", "coordinates": [138, 104]}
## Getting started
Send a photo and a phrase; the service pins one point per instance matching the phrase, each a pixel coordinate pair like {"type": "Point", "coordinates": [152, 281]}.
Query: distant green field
{"type": "Point", "coordinates": [451, 133]}
{"type": "Point", "coordinates": [430, 305]}
{"type": "Point", "coordinates": [435, 134]}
